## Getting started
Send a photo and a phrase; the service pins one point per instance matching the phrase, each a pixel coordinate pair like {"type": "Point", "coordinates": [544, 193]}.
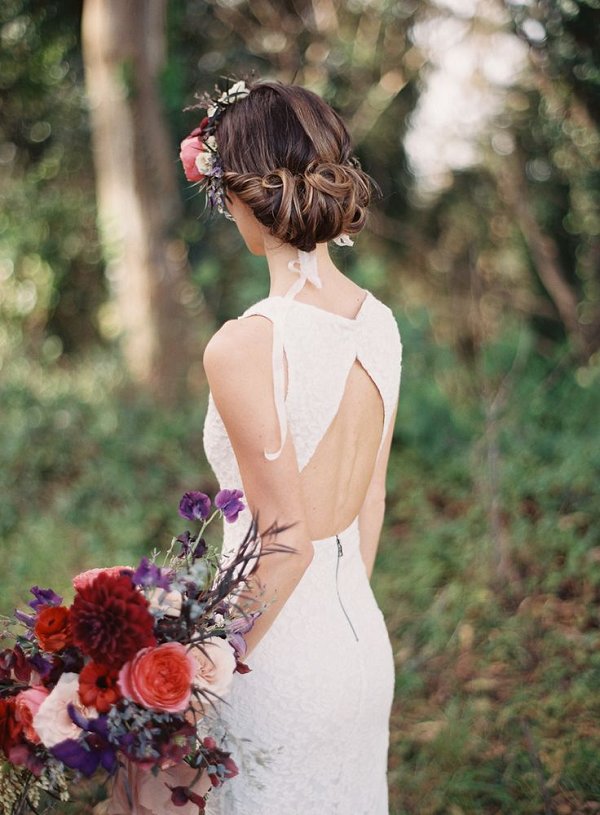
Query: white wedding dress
{"type": "Point", "coordinates": [310, 723]}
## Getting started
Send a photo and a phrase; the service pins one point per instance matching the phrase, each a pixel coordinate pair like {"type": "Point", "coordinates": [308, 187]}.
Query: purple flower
{"type": "Point", "coordinates": [242, 624]}
{"type": "Point", "coordinates": [236, 629]}
{"type": "Point", "coordinates": [149, 575]}
{"type": "Point", "coordinates": [87, 753]}
{"type": "Point", "coordinates": [76, 755]}
{"type": "Point", "coordinates": [195, 506]}
{"type": "Point", "coordinates": [40, 664]}
{"type": "Point", "coordinates": [27, 619]}
{"type": "Point", "coordinates": [187, 546]}
{"type": "Point", "coordinates": [228, 501]}
{"type": "Point", "coordinates": [185, 539]}
{"type": "Point", "coordinates": [238, 643]}
{"type": "Point", "coordinates": [44, 597]}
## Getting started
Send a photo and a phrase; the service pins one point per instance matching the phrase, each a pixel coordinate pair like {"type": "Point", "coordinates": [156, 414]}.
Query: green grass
{"type": "Point", "coordinates": [489, 577]}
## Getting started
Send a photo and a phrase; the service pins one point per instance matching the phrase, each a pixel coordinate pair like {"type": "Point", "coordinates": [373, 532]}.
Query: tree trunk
{"type": "Point", "coordinates": [138, 201]}
{"type": "Point", "coordinates": [543, 251]}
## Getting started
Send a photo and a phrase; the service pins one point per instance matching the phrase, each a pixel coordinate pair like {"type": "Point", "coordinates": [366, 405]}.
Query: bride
{"type": "Point", "coordinates": [303, 395]}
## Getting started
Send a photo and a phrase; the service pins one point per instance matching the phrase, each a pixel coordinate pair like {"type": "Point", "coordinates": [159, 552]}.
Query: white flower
{"type": "Point", "coordinates": [234, 94]}
{"type": "Point", "coordinates": [52, 722]}
{"type": "Point", "coordinates": [204, 162]}
{"type": "Point", "coordinates": [343, 240]}
{"type": "Point", "coordinates": [168, 602]}
{"type": "Point", "coordinates": [214, 671]}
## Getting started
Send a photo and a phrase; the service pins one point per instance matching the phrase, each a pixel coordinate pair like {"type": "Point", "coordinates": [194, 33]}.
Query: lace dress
{"type": "Point", "coordinates": [311, 720]}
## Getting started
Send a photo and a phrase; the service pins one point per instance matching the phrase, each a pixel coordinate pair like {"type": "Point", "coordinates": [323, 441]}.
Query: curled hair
{"type": "Point", "coordinates": [287, 155]}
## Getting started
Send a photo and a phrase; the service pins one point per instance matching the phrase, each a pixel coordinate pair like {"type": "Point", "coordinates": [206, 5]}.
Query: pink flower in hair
{"type": "Point", "coordinates": [194, 155]}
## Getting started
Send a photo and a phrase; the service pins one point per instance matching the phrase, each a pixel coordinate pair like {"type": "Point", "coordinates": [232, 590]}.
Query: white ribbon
{"type": "Point", "coordinates": [306, 267]}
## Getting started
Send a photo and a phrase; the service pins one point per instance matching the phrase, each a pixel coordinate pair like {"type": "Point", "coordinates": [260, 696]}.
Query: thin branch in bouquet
{"type": "Point", "coordinates": [239, 588]}
{"type": "Point", "coordinates": [233, 574]}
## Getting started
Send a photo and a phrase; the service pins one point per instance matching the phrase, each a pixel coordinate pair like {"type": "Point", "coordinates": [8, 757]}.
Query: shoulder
{"type": "Point", "coordinates": [383, 316]}
{"type": "Point", "coordinates": [238, 346]}
{"type": "Point", "coordinates": [238, 365]}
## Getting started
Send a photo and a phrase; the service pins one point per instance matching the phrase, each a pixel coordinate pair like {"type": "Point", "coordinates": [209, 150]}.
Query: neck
{"type": "Point", "coordinates": [279, 255]}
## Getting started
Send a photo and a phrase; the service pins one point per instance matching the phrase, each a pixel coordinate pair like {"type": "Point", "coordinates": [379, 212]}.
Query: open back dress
{"type": "Point", "coordinates": [310, 723]}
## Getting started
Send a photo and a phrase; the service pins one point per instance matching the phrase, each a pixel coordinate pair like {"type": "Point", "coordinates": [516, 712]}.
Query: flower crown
{"type": "Point", "coordinates": [199, 153]}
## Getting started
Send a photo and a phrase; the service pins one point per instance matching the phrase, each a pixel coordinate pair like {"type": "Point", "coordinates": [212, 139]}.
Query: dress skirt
{"type": "Point", "coordinates": [309, 725]}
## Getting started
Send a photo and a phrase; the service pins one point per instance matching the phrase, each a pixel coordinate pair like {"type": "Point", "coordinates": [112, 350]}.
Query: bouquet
{"type": "Point", "coordinates": [123, 681]}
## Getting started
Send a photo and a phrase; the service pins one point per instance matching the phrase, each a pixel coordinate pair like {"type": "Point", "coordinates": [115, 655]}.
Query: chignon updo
{"type": "Point", "coordinates": [288, 156]}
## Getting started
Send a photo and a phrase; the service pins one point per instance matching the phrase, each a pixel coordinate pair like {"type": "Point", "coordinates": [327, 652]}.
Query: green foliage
{"type": "Point", "coordinates": [50, 260]}
{"type": "Point", "coordinates": [89, 474]}
{"type": "Point", "coordinates": [497, 666]}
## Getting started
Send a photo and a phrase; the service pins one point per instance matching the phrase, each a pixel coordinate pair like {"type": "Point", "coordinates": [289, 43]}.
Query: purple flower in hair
{"type": "Point", "coordinates": [228, 501]}
{"type": "Point", "coordinates": [195, 506]}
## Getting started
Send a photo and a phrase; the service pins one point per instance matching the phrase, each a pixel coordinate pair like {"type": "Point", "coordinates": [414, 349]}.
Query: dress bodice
{"type": "Point", "coordinates": [320, 348]}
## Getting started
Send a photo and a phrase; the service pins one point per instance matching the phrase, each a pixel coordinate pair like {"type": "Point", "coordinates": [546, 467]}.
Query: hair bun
{"type": "Point", "coordinates": [328, 199]}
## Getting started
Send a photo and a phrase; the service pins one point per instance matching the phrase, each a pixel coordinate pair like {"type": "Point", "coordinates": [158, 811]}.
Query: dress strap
{"type": "Point", "coordinates": [305, 266]}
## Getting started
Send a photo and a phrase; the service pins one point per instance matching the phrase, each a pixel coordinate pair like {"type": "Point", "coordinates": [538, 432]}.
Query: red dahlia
{"type": "Point", "coordinates": [110, 620]}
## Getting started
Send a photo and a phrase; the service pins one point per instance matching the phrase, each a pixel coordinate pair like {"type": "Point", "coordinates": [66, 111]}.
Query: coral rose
{"type": "Point", "coordinates": [98, 686]}
{"type": "Point", "coordinates": [159, 678]}
{"type": "Point", "coordinates": [215, 666]}
{"type": "Point", "coordinates": [52, 628]}
{"type": "Point", "coordinates": [27, 704]}
{"type": "Point", "coordinates": [110, 620]}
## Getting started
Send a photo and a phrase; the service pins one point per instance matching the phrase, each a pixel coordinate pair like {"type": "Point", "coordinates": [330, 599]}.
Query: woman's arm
{"type": "Point", "coordinates": [370, 517]}
{"type": "Point", "coordinates": [237, 361]}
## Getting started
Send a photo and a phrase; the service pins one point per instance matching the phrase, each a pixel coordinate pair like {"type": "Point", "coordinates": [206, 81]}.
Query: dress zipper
{"type": "Point", "coordinates": [340, 553]}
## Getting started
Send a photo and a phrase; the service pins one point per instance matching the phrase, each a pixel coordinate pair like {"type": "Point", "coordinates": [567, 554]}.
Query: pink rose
{"type": "Point", "coordinates": [159, 677]}
{"type": "Point", "coordinates": [85, 579]}
{"type": "Point", "coordinates": [190, 153]}
{"type": "Point", "coordinates": [52, 722]}
{"type": "Point", "coordinates": [215, 666]}
{"type": "Point", "coordinates": [27, 704]}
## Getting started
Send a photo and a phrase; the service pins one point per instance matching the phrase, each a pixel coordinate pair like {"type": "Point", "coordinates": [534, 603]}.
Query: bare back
{"type": "Point", "coordinates": [335, 480]}
{"type": "Point", "coordinates": [340, 391]}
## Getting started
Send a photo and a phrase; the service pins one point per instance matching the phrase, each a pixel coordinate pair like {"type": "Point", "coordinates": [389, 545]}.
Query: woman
{"type": "Point", "coordinates": [304, 388]}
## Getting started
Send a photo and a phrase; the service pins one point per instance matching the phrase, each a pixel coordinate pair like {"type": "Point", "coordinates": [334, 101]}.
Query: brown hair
{"type": "Point", "coordinates": [287, 155]}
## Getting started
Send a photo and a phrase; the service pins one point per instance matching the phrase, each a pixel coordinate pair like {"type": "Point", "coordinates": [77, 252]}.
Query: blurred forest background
{"type": "Point", "coordinates": [480, 119]}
